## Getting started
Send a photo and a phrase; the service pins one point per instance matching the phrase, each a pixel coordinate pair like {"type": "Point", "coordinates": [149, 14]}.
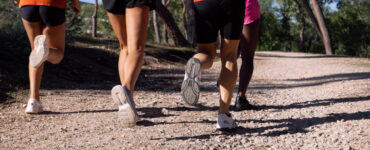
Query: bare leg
{"type": "Point", "coordinates": [33, 29]}
{"type": "Point", "coordinates": [229, 73]}
{"type": "Point", "coordinates": [55, 37]}
{"type": "Point", "coordinates": [137, 21]}
{"type": "Point", "coordinates": [206, 54]}
{"type": "Point", "coordinates": [118, 23]}
{"type": "Point", "coordinates": [248, 44]}
{"type": "Point", "coordinates": [56, 41]}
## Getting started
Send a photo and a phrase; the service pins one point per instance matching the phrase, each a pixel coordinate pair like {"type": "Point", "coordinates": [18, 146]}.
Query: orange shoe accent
{"type": "Point", "coordinates": [198, 0]}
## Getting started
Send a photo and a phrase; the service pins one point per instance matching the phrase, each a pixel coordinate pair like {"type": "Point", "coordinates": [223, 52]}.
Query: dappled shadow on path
{"type": "Point", "coordinates": [77, 112]}
{"type": "Point", "coordinates": [307, 82]}
{"type": "Point", "coordinates": [313, 81]}
{"type": "Point", "coordinates": [284, 126]}
{"type": "Point", "coordinates": [298, 57]}
{"type": "Point", "coordinates": [281, 126]}
{"type": "Point", "coordinates": [337, 77]}
{"type": "Point", "coordinates": [314, 103]}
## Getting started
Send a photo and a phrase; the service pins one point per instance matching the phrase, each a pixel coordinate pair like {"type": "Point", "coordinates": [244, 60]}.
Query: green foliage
{"type": "Point", "coordinates": [104, 28]}
{"type": "Point", "coordinates": [349, 30]}
{"type": "Point", "coordinates": [280, 25]}
{"type": "Point", "coordinates": [348, 27]}
{"type": "Point", "coordinates": [270, 30]}
{"type": "Point", "coordinates": [12, 33]}
{"type": "Point", "coordinates": [74, 24]}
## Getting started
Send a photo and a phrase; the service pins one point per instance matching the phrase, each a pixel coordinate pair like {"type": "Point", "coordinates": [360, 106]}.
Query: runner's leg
{"type": "Point", "coordinates": [229, 73]}
{"type": "Point", "coordinates": [248, 44]}
{"type": "Point", "coordinates": [206, 54]}
{"type": "Point", "coordinates": [118, 22]}
{"type": "Point", "coordinates": [136, 31]}
{"type": "Point", "coordinates": [56, 41]}
{"type": "Point", "coordinates": [33, 29]}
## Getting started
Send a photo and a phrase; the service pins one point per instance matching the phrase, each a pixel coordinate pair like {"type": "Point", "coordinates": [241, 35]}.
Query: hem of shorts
{"type": "Point", "coordinates": [141, 4]}
{"type": "Point", "coordinates": [48, 25]}
{"type": "Point", "coordinates": [55, 25]}
{"type": "Point", "coordinates": [206, 42]}
{"type": "Point", "coordinates": [233, 38]}
{"type": "Point", "coordinates": [254, 20]}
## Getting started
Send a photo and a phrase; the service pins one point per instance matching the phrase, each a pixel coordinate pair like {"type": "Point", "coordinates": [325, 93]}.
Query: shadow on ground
{"type": "Point", "coordinates": [87, 68]}
{"type": "Point", "coordinates": [299, 57]}
{"type": "Point", "coordinates": [314, 103]}
{"type": "Point", "coordinates": [282, 127]}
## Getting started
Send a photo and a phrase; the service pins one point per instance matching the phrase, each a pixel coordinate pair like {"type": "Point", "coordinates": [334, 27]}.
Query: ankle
{"type": "Point", "coordinates": [35, 99]}
{"type": "Point", "coordinates": [240, 95]}
{"type": "Point", "coordinates": [223, 112]}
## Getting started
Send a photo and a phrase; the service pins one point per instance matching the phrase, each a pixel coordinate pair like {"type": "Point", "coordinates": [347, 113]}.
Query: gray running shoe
{"type": "Point", "coordinates": [126, 106]}
{"type": "Point", "coordinates": [190, 86]}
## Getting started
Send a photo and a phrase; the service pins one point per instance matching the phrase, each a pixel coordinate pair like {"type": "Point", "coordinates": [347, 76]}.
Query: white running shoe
{"type": "Point", "coordinates": [126, 106]}
{"type": "Point", "coordinates": [190, 86]}
{"type": "Point", "coordinates": [225, 122]}
{"type": "Point", "coordinates": [40, 52]}
{"type": "Point", "coordinates": [33, 106]}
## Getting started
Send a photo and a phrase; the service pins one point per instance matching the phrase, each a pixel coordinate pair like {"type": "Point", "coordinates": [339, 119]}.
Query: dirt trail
{"type": "Point", "coordinates": [303, 101]}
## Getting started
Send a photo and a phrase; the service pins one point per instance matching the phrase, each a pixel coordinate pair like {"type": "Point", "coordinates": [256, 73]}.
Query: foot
{"type": "Point", "coordinates": [40, 52]}
{"type": "Point", "coordinates": [190, 86]}
{"type": "Point", "coordinates": [241, 103]}
{"type": "Point", "coordinates": [33, 106]}
{"type": "Point", "coordinates": [126, 106]}
{"type": "Point", "coordinates": [225, 122]}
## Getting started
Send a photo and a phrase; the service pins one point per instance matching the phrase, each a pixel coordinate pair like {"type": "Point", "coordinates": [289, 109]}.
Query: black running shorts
{"type": "Point", "coordinates": [49, 16]}
{"type": "Point", "coordinates": [119, 6]}
{"type": "Point", "coordinates": [211, 16]}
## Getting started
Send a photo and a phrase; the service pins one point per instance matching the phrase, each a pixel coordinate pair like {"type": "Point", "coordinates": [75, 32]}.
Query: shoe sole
{"type": "Point", "coordinates": [190, 87]}
{"type": "Point", "coordinates": [226, 129]}
{"type": "Point", "coordinates": [126, 111]}
{"type": "Point", "coordinates": [32, 112]}
{"type": "Point", "coordinates": [243, 107]}
{"type": "Point", "coordinates": [127, 115]}
{"type": "Point", "coordinates": [40, 52]}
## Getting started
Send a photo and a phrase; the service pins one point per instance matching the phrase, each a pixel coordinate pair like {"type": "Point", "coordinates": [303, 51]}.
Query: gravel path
{"type": "Point", "coordinates": [303, 101]}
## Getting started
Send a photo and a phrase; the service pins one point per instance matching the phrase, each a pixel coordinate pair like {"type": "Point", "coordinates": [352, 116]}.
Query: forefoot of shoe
{"type": "Point", "coordinates": [190, 91]}
{"type": "Point", "coordinates": [190, 86]}
{"type": "Point", "coordinates": [33, 107]}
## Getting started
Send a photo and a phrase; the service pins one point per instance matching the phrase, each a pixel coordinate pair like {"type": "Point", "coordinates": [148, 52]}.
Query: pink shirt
{"type": "Point", "coordinates": [252, 11]}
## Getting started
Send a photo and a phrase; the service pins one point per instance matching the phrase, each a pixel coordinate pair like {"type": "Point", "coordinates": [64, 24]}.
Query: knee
{"type": "Point", "coordinates": [231, 57]}
{"type": "Point", "coordinates": [57, 60]}
{"type": "Point", "coordinates": [139, 51]}
{"type": "Point", "coordinates": [122, 46]}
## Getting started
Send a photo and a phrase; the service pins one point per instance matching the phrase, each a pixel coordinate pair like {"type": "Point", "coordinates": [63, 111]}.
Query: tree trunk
{"type": "Point", "coordinates": [301, 38]}
{"type": "Point", "coordinates": [323, 29]}
{"type": "Point", "coordinates": [156, 31]}
{"type": "Point", "coordinates": [94, 19]}
{"type": "Point", "coordinates": [184, 18]}
{"type": "Point", "coordinates": [312, 17]}
{"type": "Point", "coordinates": [173, 29]}
{"type": "Point", "coordinates": [164, 28]}
{"type": "Point", "coordinates": [165, 34]}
